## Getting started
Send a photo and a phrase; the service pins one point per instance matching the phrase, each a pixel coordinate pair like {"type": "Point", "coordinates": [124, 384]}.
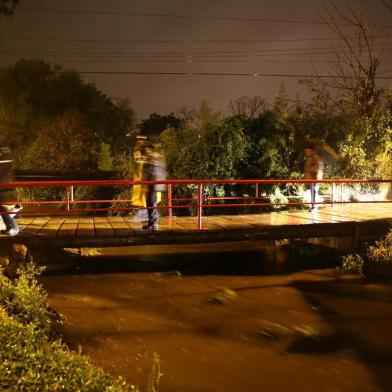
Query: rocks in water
{"type": "Point", "coordinates": [17, 255]}
{"type": "Point", "coordinates": [223, 296]}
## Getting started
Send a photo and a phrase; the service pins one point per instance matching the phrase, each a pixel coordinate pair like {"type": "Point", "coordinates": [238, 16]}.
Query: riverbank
{"type": "Point", "coordinates": [32, 357]}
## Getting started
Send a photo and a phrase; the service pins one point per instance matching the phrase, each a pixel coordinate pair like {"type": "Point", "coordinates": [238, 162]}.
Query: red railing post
{"type": "Point", "coordinates": [169, 202]}
{"type": "Point", "coordinates": [333, 194]}
{"type": "Point", "coordinates": [257, 190]}
{"type": "Point", "coordinates": [199, 205]}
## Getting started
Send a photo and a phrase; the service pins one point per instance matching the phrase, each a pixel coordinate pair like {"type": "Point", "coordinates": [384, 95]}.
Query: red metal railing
{"type": "Point", "coordinates": [198, 201]}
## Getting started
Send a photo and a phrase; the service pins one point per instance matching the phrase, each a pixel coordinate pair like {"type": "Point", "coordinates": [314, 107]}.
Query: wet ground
{"type": "Point", "coordinates": [224, 318]}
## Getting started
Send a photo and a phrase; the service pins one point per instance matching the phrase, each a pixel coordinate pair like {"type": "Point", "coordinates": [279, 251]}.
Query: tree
{"type": "Point", "coordinates": [388, 5]}
{"type": "Point", "coordinates": [62, 143]}
{"type": "Point", "coordinates": [33, 93]}
{"type": "Point", "coordinates": [157, 123]}
{"type": "Point", "coordinates": [7, 7]}
{"type": "Point", "coordinates": [356, 63]}
{"type": "Point", "coordinates": [363, 141]}
{"type": "Point", "coordinates": [207, 146]}
{"type": "Point", "coordinates": [186, 113]}
{"type": "Point", "coordinates": [281, 101]}
{"type": "Point", "coordinates": [247, 106]}
{"type": "Point", "coordinates": [105, 159]}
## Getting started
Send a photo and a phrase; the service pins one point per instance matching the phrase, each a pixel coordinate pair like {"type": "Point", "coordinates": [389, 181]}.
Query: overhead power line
{"type": "Point", "coordinates": [246, 74]}
{"type": "Point", "coordinates": [195, 53]}
{"type": "Point", "coordinates": [91, 12]}
{"type": "Point", "coordinates": [147, 41]}
{"type": "Point", "coordinates": [168, 41]}
{"type": "Point", "coordinates": [176, 16]}
{"type": "Point", "coordinates": [387, 71]}
{"type": "Point", "coordinates": [92, 40]}
{"type": "Point", "coordinates": [203, 61]}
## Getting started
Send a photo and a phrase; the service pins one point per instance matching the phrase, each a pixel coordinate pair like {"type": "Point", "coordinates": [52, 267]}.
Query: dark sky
{"type": "Point", "coordinates": [182, 36]}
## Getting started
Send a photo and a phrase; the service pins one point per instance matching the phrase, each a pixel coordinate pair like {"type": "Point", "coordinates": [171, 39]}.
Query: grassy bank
{"type": "Point", "coordinates": [31, 359]}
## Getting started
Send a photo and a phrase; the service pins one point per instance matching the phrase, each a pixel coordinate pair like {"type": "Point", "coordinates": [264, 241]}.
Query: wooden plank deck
{"type": "Point", "coordinates": [340, 220]}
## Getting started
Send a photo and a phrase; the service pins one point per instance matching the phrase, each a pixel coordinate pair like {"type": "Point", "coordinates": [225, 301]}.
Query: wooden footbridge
{"type": "Point", "coordinates": [353, 221]}
{"type": "Point", "coordinates": [73, 227]}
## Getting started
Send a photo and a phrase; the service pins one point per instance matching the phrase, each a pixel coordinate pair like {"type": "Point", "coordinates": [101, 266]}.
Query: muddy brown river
{"type": "Point", "coordinates": [224, 318]}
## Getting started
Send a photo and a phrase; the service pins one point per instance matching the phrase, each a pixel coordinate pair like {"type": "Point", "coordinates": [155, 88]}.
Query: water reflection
{"type": "Point", "coordinates": [292, 325]}
{"type": "Point", "coordinates": [241, 258]}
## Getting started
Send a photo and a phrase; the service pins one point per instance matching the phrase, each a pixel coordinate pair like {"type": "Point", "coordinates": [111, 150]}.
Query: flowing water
{"type": "Point", "coordinates": [230, 318]}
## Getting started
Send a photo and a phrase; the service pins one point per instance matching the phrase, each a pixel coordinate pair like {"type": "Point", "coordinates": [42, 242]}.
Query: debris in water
{"type": "Point", "coordinates": [223, 295]}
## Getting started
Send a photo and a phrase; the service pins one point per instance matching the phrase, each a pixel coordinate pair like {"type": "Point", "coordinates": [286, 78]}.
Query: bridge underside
{"type": "Point", "coordinates": [360, 221]}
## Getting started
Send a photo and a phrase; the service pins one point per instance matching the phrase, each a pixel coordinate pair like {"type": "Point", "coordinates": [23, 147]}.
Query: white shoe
{"type": "Point", "coordinates": [10, 232]}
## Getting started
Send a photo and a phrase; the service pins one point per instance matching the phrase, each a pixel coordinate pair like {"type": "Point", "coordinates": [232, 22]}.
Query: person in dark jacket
{"type": "Point", "coordinates": [7, 194]}
{"type": "Point", "coordinates": [153, 170]}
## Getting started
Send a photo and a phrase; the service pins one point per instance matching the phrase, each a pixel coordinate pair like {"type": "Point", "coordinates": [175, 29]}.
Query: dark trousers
{"type": "Point", "coordinates": [314, 192]}
{"type": "Point", "coordinates": [151, 201]}
{"type": "Point", "coordinates": [9, 221]}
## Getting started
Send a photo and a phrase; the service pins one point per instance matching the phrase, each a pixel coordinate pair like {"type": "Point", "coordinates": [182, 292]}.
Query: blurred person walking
{"type": "Point", "coordinates": [318, 154]}
{"type": "Point", "coordinates": [313, 170]}
{"type": "Point", "coordinates": [150, 166]}
{"type": "Point", "coordinates": [154, 170]}
{"type": "Point", "coordinates": [7, 194]}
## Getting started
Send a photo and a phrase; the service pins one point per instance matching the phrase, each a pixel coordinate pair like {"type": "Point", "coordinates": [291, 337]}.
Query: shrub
{"type": "Point", "coordinates": [353, 263]}
{"type": "Point", "coordinates": [24, 299]}
{"type": "Point", "coordinates": [279, 198]}
{"type": "Point", "coordinates": [29, 360]}
{"type": "Point", "coordinates": [381, 252]}
{"type": "Point", "coordinates": [374, 259]}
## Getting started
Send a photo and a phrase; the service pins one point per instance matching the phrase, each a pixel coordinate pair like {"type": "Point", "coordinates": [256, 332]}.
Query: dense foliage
{"type": "Point", "coordinates": [270, 145]}
{"type": "Point", "coordinates": [54, 120]}
{"type": "Point", "coordinates": [29, 359]}
{"type": "Point", "coordinates": [155, 124]}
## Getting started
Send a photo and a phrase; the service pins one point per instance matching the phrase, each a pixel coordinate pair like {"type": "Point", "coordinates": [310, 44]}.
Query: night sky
{"type": "Point", "coordinates": [123, 39]}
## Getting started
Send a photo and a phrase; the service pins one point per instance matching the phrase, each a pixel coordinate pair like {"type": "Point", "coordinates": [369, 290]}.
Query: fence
{"type": "Point", "coordinates": [70, 205]}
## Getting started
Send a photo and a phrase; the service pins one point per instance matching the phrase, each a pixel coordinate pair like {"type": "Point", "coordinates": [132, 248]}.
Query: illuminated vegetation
{"type": "Point", "coordinates": [30, 360]}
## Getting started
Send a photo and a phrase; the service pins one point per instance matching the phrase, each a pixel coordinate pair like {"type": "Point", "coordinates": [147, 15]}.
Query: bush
{"type": "Point", "coordinates": [29, 360]}
{"type": "Point", "coordinates": [376, 260]}
{"type": "Point", "coordinates": [24, 299]}
{"type": "Point", "coordinates": [279, 198]}
{"type": "Point", "coordinates": [381, 252]}
{"type": "Point", "coordinates": [353, 263]}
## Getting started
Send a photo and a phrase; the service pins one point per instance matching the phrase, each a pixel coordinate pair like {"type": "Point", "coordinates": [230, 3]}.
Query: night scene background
{"type": "Point", "coordinates": [262, 97]}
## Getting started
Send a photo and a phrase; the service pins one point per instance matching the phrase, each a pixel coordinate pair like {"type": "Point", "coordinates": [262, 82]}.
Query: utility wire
{"type": "Point", "coordinates": [201, 61]}
{"type": "Point", "coordinates": [151, 41]}
{"type": "Point", "coordinates": [177, 16]}
{"type": "Point", "coordinates": [284, 57]}
{"type": "Point", "coordinates": [247, 74]}
{"type": "Point", "coordinates": [214, 53]}
{"type": "Point", "coordinates": [91, 40]}
{"type": "Point", "coordinates": [90, 12]}
{"type": "Point", "coordinates": [146, 41]}
{"type": "Point", "coordinates": [204, 61]}
{"type": "Point", "coordinates": [384, 72]}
